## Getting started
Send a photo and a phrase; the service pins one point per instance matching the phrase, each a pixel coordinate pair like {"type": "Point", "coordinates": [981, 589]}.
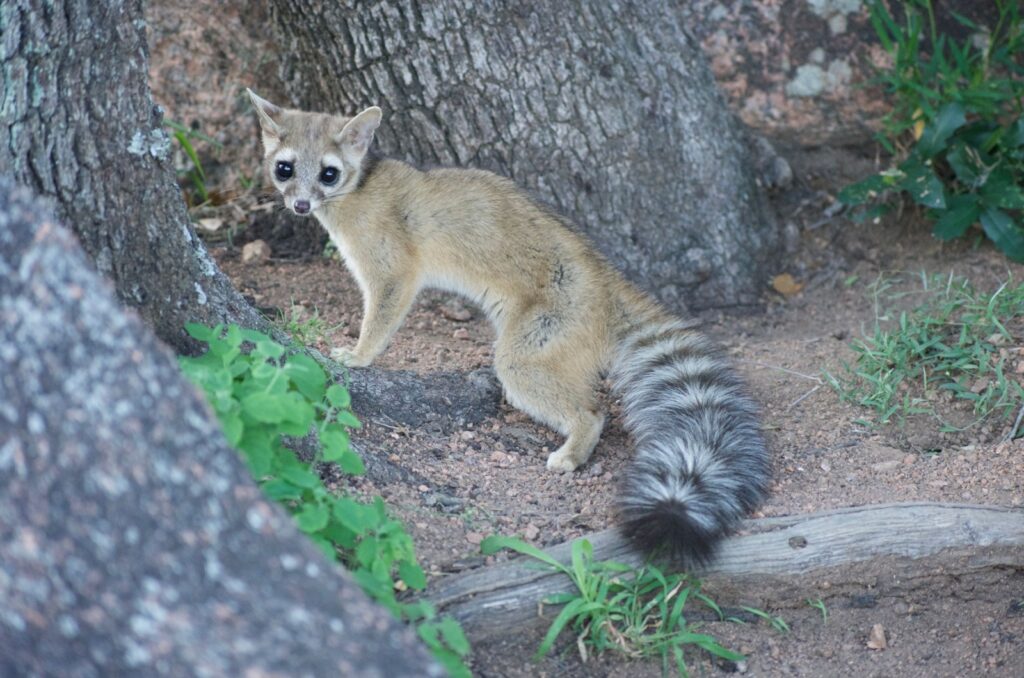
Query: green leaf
{"type": "Point", "coordinates": [233, 337]}
{"type": "Point", "coordinates": [280, 490]}
{"type": "Point", "coordinates": [268, 348]}
{"type": "Point", "coordinates": [338, 396]}
{"type": "Point", "coordinates": [312, 518]}
{"type": "Point", "coordinates": [295, 408]}
{"type": "Point", "coordinates": [863, 191]}
{"type": "Point", "coordinates": [352, 464]}
{"type": "Point", "coordinates": [1001, 190]}
{"type": "Point", "coordinates": [302, 477]}
{"type": "Point", "coordinates": [949, 119]}
{"type": "Point", "coordinates": [357, 517]}
{"type": "Point", "coordinates": [922, 184]}
{"type": "Point", "coordinates": [495, 543]}
{"type": "Point", "coordinates": [335, 444]}
{"type": "Point", "coordinates": [453, 635]}
{"type": "Point", "coordinates": [962, 211]}
{"type": "Point", "coordinates": [346, 418]}
{"type": "Point", "coordinates": [233, 428]}
{"type": "Point", "coordinates": [1007, 235]}
{"type": "Point", "coordinates": [367, 552]}
{"type": "Point", "coordinates": [307, 376]}
{"type": "Point", "coordinates": [201, 332]}
{"type": "Point", "coordinates": [966, 163]}
{"type": "Point", "coordinates": [566, 615]}
{"type": "Point", "coordinates": [265, 407]}
{"type": "Point", "coordinates": [256, 448]}
{"type": "Point", "coordinates": [1017, 137]}
{"type": "Point", "coordinates": [412, 574]}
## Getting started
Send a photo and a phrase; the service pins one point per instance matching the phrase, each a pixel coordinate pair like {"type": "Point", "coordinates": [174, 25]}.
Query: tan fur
{"type": "Point", "coordinates": [559, 309]}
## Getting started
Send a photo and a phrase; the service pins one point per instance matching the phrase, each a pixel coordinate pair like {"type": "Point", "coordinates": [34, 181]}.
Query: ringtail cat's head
{"type": "Point", "coordinates": [313, 157]}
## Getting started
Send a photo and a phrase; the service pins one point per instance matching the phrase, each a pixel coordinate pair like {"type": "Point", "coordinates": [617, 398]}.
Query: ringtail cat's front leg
{"type": "Point", "coordinates": [385, 306]}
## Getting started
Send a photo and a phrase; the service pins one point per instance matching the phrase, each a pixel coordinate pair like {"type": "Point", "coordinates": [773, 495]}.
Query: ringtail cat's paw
{"type": "Point", "coordinates": [349, 358]}
{"type": "Point", "coordinates": [561, 461]}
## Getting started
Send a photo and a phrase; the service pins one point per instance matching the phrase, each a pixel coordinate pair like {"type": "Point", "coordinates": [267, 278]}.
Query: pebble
{"type": "Point", "coordinates": [456, 310]}
{"type": "Point", "coordinates": [255, 252]}
{"type": "Point", "coordinates": [461, 333]}
{"type": "Point", "coordinates": [876, 638]}
{"type": "Point", "coordinates": [531, 532]}
{"type": "Point", "coordinates": [474, 538]}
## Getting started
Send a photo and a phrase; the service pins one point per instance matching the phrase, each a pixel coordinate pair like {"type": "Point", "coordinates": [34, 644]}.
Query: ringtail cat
{"type": "Point", "coordinates": [564, 319]}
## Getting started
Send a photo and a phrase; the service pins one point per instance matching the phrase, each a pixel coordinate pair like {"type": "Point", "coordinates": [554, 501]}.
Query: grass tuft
{"type": "Point", "coordinates": [957, 341]}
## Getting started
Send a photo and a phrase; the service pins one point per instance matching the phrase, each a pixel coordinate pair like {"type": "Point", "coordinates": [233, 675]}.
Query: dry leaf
{"type": "Point", "coordinates": [210, 224]}
{"type": "Point", "coordinates": [786, 285]}
{"type": "Point", "coordinates": [876, 639]}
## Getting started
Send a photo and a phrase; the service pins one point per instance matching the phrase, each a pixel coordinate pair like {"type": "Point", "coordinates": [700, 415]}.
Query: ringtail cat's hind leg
{"type": "Point", "coordinates": [386, 303]}
{"type": "Point", "coordinates": [549, 386]}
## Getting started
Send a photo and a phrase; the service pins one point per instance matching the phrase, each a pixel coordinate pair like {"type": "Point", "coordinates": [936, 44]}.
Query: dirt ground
{"type": "Point", "coordinates": [491, 478]}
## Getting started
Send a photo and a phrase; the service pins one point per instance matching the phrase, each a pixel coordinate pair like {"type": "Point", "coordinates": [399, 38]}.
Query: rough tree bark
{"type": "Point", "coordinates": [78, 126]}
{"type": "Point", "coordinates": [607, 111]}
{"type": "Point", "coordinates": [132, 539]}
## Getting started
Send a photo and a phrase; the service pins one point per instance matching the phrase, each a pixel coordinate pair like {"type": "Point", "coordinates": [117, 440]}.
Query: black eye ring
{"type": "Point", "coordinates": [329, 176]}
{"type": "Point", "coordinates": [284, 170]}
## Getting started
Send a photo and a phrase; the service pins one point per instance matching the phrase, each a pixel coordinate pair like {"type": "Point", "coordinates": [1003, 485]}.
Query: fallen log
{"type": "Point", "coordinates": [771, 563]}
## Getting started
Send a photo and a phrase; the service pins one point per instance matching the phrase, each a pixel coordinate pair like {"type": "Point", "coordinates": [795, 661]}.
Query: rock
{"type": "Point", "coordinates": [455, 309]}
{"type": "Point", "coordinates": [255, 252]}
{"type": "Point", "coordinates": [462, 333]}
{"type": "Point", "coordinates": [886, 466]}
{"type": "Point", "coordinates": [531, 532]}
{"type": "Point", "coordinates": [876, 638]}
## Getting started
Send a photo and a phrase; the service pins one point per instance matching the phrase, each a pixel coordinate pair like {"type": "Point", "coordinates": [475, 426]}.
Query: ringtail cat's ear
{"type": "Point", "coordinates": [356, 135]}
{"type": "Point", "coordinates": [267, 112]}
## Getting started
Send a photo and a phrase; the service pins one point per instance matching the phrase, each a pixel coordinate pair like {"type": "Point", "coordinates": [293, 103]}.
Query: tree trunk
{"type": "Point", "coordinates": [607, 111]}
{"type": "Point", "coordinates": [79, 127]}
{"type": "Point", "coordinates": [132, 539]}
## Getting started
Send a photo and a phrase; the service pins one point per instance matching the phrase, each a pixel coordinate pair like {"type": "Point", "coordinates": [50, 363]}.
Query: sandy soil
{"type": "Point", "coordinates": [491, 478]}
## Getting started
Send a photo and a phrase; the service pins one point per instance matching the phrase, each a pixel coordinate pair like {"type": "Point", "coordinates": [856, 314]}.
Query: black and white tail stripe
{"type": "Point", "coordinates": [701, 462]}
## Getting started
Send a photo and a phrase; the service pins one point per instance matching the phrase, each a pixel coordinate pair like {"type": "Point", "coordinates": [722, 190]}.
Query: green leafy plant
{"type": "Point", "coordinates": [776, 622]}
{"type": "Point", "coordinates": [956, 129]}
{"type": "Point", "coordinates": [637, 612]}
{"type": "Point", "coordinates": [819, 605]}
{"type": "Point", "coordinates": [955, 340]}
{"type": "Point", "coordinates": [264, 394]}
{"type": "Point", "coordinates": [195, 172]}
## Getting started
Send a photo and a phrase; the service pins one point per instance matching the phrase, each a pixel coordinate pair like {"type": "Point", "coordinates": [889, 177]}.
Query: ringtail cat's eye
{"type": "Point", "coordinates": [284, 170]}
{"type": "Point", "coordinates": [329, 176]}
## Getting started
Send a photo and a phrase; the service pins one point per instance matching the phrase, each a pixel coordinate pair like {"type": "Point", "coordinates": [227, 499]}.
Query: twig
{"type": "Point", "coordinates": [801, 398]}
{"type": "Point", "coordinates": [1016, 425]}
{"type": "Point", "coordinates": [817, 380]}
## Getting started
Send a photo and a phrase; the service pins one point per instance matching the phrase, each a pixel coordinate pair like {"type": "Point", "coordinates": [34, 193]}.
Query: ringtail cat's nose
{"type": "Point", "coordinates": [301, 206]}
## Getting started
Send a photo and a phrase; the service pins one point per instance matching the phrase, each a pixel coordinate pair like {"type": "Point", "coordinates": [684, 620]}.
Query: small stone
{"type": "Point", "coordinates": [877, 639]}
{"type": "Point", "coordinates": [909, 459]}
{"type": "Point", "coordinates": [455, 310]}
{"type": "Point", "coordinates": [474, 538]}
{"type": "Point", "coordinates": [255, 252]}
{"type": "Point", "coordinates": [885, 466]}
{"type": "Point", "coordinates": [461, 333]}
{"type": "Point", "coordinates": [531, 532]}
